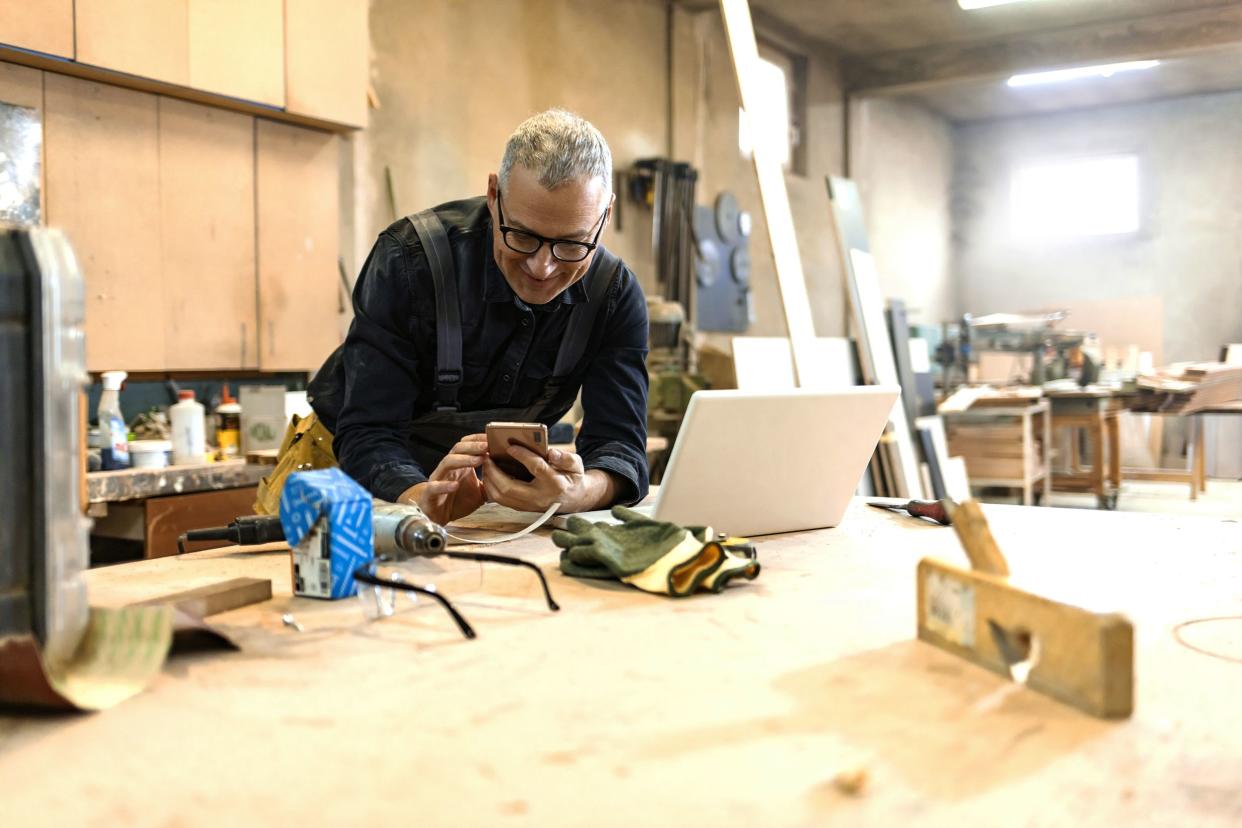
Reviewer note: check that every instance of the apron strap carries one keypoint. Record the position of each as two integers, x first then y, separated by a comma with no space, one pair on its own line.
439,255
582,319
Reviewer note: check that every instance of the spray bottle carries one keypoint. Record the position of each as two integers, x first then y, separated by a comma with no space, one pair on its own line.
115,453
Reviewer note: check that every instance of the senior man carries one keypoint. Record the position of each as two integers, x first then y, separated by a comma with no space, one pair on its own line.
533,309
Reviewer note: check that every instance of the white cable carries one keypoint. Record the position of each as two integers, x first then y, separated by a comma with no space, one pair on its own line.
539,521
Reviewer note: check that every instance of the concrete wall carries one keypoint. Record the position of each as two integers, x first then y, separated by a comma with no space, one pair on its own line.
1187,256
901,155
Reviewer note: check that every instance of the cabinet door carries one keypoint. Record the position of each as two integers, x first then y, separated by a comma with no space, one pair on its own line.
237,48
207,224
102,149
23,86
44,26
149,38
326,59
298,216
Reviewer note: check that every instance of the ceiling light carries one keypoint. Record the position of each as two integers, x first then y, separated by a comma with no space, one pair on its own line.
1104,70
972,5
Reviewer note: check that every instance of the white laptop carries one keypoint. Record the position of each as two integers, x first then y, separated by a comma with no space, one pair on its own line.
757,463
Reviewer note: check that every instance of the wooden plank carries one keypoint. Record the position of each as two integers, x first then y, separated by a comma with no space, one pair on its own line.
23,86
772,193
186,93
102,150
874,345
44,26
218,597
208,224
1082,658
237,48
327,45
168,517
149,38
298,214
1152,36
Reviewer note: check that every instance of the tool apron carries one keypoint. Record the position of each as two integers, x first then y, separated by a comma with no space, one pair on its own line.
308,442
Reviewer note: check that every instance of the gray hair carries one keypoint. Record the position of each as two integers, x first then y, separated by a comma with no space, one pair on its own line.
557,146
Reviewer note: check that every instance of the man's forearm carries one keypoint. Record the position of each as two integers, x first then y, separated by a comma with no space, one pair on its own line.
599,491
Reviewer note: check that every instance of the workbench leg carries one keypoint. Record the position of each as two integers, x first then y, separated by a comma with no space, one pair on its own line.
1192,455
1096,432
1047,458
1028,454
1200,452
1114,449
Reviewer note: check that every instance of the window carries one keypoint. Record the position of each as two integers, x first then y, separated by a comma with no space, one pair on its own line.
1075,198
782,76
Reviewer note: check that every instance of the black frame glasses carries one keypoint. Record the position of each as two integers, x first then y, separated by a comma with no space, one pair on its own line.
507,233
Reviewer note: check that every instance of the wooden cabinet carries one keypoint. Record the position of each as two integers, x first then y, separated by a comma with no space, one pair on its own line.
102,150
43,26
23,86
237,48
327,59
149,38
297,198
206,191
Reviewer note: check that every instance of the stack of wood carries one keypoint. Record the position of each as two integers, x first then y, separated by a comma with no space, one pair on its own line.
1186,387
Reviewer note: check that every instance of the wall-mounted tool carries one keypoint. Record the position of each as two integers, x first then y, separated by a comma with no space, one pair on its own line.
1079,657
723,300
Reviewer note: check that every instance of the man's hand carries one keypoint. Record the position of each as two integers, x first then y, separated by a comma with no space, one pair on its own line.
453,490
559,479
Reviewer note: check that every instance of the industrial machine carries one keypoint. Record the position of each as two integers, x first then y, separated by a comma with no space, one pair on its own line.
44,545
1055,353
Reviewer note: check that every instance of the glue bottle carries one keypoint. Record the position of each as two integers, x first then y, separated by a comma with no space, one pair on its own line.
188,429
115,451
228,425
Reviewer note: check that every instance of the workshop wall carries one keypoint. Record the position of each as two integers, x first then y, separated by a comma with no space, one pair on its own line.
901,155
453,79
706,132
1186,253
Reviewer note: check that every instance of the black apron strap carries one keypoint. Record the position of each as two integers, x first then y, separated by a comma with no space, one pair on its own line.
582,319
448,313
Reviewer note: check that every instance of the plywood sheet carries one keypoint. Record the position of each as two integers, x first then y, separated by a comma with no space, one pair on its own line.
44,26
149,38
237,48
23,86
298,210
763,363
102,150
327,59
206,193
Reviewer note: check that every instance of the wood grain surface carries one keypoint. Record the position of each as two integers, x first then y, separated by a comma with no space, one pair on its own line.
631,709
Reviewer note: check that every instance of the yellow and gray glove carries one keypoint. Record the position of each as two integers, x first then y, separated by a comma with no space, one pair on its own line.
652,555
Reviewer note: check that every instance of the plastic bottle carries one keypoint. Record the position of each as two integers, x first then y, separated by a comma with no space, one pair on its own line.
115,453
189,426
228,425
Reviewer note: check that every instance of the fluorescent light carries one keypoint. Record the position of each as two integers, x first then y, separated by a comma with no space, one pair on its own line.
972,5
1104,70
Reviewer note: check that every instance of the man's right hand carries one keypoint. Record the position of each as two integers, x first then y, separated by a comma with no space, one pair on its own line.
453,490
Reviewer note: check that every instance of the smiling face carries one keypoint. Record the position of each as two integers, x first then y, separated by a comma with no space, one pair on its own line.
572,211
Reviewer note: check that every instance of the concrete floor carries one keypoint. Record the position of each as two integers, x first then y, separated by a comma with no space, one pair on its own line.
1222,499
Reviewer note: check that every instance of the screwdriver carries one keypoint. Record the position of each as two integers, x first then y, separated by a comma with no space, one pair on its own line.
930,509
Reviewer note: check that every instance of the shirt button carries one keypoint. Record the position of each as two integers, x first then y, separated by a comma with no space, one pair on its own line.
506,378
525,323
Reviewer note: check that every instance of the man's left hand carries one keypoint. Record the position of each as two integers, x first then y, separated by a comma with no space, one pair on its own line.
558,479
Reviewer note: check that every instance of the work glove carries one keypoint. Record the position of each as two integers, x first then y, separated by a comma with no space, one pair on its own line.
652,555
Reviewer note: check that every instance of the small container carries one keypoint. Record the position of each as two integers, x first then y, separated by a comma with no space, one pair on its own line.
189,424
228,426
149,454
115,451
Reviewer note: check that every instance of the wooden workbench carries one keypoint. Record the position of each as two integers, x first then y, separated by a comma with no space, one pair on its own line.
629,709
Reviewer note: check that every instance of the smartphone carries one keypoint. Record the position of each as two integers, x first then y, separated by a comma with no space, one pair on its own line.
500,436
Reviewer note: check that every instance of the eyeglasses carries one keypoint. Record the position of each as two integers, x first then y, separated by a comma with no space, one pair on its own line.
528,243
367,574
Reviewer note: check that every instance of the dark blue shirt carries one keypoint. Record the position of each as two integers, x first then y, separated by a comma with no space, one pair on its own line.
385,376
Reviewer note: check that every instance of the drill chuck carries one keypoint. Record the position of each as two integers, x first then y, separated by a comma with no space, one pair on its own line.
402,531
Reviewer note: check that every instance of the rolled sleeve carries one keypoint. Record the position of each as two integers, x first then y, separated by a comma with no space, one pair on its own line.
381,364
614,396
